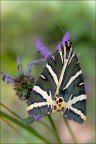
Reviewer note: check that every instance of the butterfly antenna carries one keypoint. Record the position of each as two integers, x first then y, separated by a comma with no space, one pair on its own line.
59,26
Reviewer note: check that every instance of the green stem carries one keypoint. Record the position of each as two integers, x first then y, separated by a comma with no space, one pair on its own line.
25,138
10,111
55,129
70,130
44,124
21,118
27,128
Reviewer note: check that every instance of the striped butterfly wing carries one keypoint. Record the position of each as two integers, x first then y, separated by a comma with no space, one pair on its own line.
60,87
72,88
42,96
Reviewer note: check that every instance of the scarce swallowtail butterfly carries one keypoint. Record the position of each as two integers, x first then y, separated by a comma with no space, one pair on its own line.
60,87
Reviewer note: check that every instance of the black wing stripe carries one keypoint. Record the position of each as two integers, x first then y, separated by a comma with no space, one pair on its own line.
72,79
71,115
78,112
44,95
56,62
44,109
71,58
75,100
81,105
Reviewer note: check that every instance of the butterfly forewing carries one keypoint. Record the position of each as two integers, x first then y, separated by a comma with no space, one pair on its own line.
73,91
42,96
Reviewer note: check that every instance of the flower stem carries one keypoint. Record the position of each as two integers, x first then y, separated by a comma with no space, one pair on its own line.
25,138
47,126
70,130
27,128
10,111
55,129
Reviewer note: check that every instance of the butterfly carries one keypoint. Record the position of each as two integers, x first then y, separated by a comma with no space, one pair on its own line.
60,87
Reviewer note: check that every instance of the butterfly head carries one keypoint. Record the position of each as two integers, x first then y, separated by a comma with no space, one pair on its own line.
68,44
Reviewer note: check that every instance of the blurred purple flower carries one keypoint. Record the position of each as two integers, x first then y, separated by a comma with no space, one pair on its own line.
19,66
42,49
58,46
22,83
78,55
36,117
65,38
29,66
86,87
7,78
10,79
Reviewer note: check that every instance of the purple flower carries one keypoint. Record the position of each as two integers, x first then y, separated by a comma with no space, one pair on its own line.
58,46
19,66
7,78
42,49
36,117
29,67
10,79
86,87
65,38
22,83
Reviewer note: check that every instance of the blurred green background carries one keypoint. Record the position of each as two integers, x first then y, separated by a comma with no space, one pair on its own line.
21,22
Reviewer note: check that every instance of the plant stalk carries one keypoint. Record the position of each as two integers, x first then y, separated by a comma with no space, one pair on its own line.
10,111
27,128
70,130
55,129
25,138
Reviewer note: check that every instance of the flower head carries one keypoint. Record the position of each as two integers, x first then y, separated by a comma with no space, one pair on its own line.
65,38
42,49
22,83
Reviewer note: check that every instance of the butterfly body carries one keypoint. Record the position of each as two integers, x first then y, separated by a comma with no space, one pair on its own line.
60,87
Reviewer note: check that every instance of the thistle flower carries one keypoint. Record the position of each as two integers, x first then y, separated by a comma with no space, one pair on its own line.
65,38
23,83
